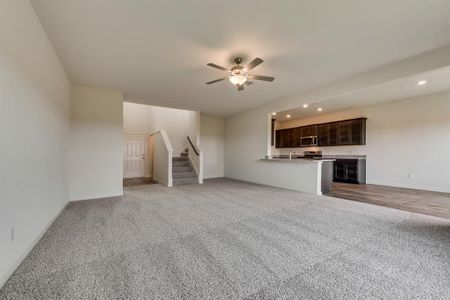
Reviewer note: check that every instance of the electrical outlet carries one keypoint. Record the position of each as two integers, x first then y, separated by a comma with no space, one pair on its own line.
11,234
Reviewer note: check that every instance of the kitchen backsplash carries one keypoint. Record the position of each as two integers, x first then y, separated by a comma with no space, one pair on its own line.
338,150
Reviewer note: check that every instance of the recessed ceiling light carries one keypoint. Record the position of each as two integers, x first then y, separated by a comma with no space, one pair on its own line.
288,116
305,105
274,114
319,109
422,82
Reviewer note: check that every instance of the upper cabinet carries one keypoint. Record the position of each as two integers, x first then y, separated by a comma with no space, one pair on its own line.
352,132
284,138
310,130
346,132
327,134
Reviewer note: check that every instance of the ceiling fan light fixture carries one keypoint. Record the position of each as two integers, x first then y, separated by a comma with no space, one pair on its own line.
238,79
239,75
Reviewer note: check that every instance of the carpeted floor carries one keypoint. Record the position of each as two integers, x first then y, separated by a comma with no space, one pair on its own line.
227,239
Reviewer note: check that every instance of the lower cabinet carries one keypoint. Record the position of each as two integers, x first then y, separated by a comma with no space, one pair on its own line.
350,171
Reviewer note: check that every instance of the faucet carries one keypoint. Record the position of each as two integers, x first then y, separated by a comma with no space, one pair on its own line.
290,155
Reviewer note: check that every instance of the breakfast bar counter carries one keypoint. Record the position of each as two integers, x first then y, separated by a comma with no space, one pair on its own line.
307,175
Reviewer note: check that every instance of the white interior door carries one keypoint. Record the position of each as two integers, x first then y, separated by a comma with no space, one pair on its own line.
133,156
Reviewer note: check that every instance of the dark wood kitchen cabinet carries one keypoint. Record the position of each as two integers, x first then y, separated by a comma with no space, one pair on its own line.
327,134
344,130
339,133
308,130
358,131
284,138
289,136
351,132
297,135
272,133
350,171
279,138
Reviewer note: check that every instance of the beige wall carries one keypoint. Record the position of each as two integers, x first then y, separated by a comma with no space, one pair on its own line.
96,157
212,133
408,142
34,118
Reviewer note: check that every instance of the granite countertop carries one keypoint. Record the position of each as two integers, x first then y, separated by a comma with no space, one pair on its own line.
346,156
326,157
297,159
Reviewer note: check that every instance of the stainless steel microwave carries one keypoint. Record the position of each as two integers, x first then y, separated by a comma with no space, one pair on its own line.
308,141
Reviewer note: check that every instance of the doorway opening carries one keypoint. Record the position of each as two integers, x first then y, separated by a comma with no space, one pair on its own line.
134,155
143,161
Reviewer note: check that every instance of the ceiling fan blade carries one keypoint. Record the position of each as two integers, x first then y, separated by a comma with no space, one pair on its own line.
260,77
240,87
217,67
254,63
217,80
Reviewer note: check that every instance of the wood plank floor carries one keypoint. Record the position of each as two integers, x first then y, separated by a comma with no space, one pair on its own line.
419,201
138,181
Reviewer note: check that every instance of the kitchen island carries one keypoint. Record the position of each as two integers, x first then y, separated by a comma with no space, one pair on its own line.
314,176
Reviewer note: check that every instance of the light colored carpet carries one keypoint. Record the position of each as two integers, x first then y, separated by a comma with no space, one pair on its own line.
228,239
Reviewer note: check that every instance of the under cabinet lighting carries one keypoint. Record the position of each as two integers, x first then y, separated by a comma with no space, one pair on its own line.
288,116
319,109
305,105
274,114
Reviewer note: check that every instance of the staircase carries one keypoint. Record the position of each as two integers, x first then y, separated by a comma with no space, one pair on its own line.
182,171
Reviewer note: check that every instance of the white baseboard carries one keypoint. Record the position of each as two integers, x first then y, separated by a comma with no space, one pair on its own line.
97,197
161,181
102,197
406,186
214,177
27,251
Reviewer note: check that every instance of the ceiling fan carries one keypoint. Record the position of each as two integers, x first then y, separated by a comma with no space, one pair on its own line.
239,75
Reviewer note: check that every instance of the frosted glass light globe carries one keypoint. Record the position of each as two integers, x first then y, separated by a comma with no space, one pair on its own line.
238,79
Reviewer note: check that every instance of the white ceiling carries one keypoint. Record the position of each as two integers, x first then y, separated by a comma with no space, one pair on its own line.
156,51
437,81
